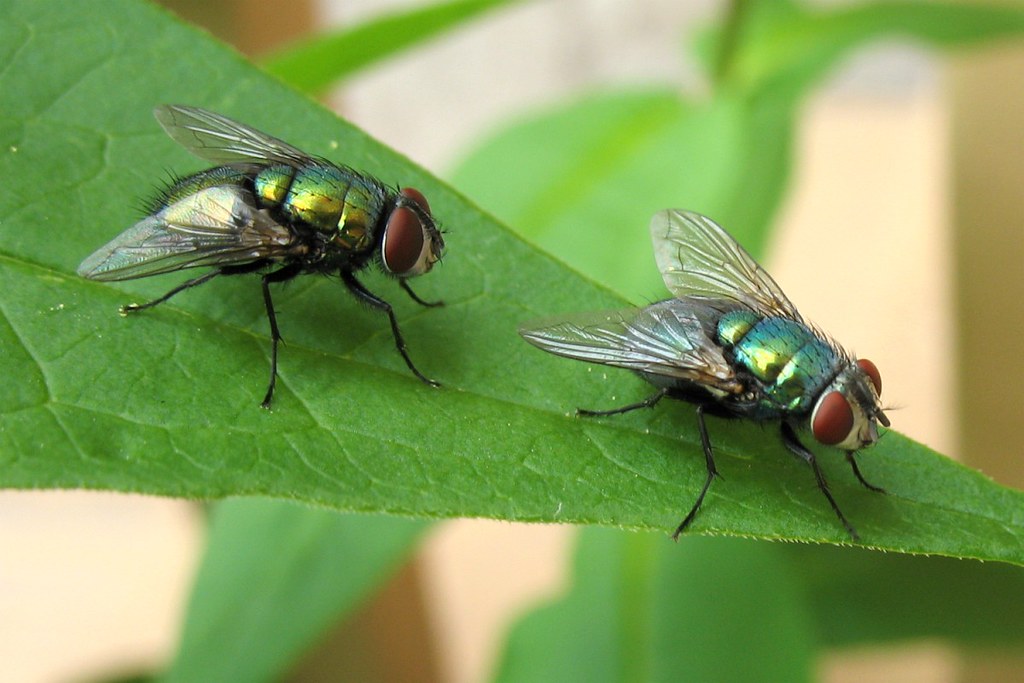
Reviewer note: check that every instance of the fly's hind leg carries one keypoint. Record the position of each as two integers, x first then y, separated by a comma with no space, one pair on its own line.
194,282
286,273
187,284
648,402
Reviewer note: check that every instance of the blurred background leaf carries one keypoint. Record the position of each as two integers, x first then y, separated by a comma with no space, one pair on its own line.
644,610
256,607
725,610
314,63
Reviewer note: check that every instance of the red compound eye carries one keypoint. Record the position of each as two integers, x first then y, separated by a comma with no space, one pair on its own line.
871,370
403,241
404,236
416,196
833,419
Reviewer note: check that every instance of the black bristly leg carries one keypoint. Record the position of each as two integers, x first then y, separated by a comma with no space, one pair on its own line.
195,282
281,275
790,440
187,284
404,284
651,401
856,470
286,273
709,461
371,299
705,442
648,402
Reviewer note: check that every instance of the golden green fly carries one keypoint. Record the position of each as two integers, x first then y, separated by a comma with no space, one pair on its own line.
270,208
731,343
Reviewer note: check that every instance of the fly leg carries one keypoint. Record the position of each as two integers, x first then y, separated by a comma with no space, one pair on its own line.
368,297
404,284
860,477
194,282
790,440
281,275
705,442
187,284
709,461
648,402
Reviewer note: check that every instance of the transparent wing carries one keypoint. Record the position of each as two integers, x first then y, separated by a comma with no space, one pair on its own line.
221,140
216,226
665,339
698,259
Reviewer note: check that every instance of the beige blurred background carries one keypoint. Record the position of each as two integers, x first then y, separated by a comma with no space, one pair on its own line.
915,160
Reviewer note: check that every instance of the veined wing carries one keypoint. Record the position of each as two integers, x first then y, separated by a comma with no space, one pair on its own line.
665,339
221,140
215,226
699,259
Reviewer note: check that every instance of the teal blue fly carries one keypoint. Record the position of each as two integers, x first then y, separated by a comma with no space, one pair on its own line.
731,343
271,208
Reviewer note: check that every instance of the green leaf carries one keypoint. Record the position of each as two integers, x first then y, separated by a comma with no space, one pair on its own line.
166,402
643,610
860,598
315,63
256,605
788,46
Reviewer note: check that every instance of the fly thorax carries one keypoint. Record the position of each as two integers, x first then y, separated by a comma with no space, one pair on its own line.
847,412
353,230
784,356
316,198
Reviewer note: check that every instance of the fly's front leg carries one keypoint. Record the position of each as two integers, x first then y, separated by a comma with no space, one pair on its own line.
790,440
404,284
368,297
286,273
860,477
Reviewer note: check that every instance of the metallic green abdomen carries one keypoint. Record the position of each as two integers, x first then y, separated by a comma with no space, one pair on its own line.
343,205
190,185
786,357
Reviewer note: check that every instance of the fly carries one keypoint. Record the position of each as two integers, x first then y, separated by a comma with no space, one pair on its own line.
732,344
268,207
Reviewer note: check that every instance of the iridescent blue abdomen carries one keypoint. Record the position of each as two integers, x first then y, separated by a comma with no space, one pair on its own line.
788,360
